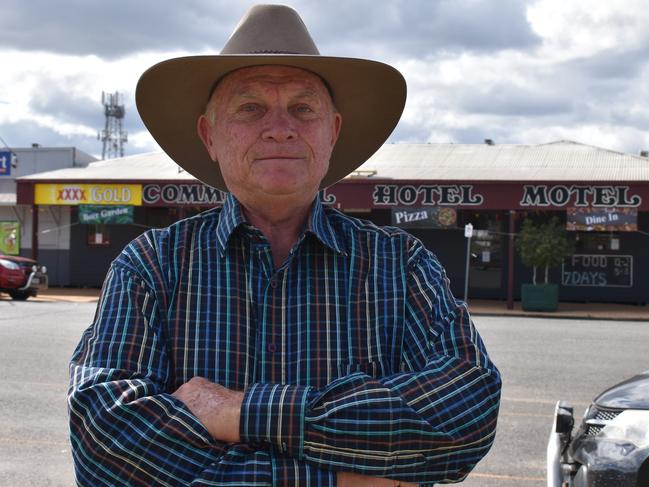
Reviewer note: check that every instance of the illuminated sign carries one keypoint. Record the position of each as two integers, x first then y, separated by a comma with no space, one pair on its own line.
88,194
5,163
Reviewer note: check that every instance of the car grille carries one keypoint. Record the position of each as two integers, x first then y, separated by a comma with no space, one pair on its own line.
601,416
26,267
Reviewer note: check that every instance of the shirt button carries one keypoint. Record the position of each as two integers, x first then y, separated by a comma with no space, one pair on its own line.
273,283
271,347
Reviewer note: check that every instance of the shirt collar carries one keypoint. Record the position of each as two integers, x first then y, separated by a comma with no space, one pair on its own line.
231,216
320,225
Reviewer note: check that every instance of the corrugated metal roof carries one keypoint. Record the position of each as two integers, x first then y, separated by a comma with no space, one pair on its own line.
556,161
149,166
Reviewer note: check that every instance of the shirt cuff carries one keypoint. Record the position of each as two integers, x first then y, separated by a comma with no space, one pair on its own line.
289,471
274,414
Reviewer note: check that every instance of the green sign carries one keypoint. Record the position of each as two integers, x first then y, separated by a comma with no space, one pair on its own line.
10,238
96,214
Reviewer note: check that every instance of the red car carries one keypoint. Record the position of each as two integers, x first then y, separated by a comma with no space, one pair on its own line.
21,277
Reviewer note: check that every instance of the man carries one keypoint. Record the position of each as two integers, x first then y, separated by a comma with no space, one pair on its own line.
275,341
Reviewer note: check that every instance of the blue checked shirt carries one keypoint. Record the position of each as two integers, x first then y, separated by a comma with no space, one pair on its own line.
353,356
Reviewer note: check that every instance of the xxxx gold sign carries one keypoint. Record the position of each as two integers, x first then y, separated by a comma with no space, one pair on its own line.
88,194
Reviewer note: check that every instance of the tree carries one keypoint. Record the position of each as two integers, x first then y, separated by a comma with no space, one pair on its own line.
544,245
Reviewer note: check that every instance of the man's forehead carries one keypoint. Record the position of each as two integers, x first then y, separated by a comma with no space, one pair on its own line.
248,80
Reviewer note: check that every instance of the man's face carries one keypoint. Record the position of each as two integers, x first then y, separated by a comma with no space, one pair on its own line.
272,130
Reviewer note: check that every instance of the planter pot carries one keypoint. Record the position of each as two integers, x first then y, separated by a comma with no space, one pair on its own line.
540,297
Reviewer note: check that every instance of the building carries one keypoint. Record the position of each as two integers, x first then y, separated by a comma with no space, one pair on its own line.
433,190
53,221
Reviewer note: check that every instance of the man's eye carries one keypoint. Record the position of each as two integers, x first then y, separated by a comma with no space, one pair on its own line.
303,109
249,107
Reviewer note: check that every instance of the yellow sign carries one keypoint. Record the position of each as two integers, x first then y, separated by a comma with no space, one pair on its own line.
88,194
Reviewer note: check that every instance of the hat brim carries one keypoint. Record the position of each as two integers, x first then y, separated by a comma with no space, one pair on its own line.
171,95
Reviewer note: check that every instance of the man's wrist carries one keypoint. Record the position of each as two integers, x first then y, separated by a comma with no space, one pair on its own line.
274,414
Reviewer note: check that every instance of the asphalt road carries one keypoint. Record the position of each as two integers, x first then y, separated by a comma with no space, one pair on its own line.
541,360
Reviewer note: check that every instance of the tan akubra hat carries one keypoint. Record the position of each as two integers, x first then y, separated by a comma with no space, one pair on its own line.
172,94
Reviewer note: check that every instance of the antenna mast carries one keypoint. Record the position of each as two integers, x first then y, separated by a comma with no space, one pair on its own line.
113,137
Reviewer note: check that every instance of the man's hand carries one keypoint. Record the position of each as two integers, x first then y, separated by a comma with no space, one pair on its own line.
348,479
218,408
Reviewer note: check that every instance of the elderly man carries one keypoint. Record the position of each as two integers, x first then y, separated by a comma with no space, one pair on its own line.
275,341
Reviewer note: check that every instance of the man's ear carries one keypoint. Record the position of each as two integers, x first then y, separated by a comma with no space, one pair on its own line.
337,124
204,130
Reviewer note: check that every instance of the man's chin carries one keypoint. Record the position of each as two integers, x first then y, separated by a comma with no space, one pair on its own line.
286,186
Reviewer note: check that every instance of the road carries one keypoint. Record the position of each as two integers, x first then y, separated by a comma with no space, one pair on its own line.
541,360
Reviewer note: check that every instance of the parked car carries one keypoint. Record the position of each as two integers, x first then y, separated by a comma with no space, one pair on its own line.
610,448
21,277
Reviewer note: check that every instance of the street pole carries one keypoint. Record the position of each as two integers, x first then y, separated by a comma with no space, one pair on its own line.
468,233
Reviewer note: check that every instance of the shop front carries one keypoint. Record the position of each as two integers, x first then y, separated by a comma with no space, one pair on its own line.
609,223
110,203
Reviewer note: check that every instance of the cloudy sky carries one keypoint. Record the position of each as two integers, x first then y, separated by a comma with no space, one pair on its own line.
515,71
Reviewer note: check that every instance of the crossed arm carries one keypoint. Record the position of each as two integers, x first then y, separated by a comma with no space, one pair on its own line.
434,422
219,409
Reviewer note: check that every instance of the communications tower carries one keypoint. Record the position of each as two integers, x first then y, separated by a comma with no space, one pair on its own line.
113,137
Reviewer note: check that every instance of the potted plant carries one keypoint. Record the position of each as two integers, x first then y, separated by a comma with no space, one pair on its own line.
542,245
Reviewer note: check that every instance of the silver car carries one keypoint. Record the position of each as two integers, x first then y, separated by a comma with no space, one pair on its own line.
610,448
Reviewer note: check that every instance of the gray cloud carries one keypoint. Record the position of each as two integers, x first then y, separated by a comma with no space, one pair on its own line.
423,28
24,134
508,99
116,28
401,27
607,89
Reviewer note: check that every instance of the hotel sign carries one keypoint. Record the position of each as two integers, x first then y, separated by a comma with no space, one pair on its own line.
426,194
603,196
364,195
173,194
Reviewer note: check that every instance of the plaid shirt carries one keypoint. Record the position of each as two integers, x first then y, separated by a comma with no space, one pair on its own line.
353,355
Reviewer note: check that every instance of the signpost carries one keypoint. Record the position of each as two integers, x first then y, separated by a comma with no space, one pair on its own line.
468,233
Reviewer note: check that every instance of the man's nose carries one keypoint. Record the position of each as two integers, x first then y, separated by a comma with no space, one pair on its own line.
279,125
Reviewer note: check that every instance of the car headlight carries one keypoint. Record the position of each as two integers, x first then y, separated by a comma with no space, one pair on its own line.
34,268
631,425
44,269
7,264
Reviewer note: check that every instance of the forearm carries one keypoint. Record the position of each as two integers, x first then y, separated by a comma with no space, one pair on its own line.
124,432
420,427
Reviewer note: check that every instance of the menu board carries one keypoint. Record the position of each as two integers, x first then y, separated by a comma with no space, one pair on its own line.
598,270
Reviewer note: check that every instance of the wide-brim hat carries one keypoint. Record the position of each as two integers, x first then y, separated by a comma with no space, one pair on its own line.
172,94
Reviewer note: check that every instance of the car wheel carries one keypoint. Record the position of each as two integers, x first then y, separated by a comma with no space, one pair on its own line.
19,295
